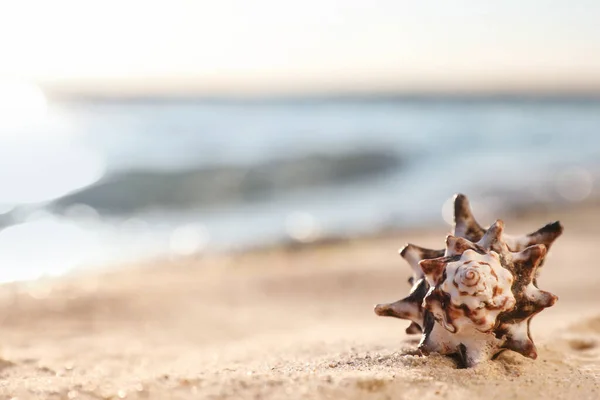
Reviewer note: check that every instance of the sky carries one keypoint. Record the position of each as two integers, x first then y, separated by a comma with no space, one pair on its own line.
310,46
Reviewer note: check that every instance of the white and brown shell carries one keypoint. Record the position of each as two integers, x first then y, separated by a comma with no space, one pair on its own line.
476,297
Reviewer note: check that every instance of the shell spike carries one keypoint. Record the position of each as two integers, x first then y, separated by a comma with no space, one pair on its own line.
546,235
457,245
413,328
525,347
492,240
527,261
474,354
465,224
407,308
540,298
403,309
519,340
413,254
433,269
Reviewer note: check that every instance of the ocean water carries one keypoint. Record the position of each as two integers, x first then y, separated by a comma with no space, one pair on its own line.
105,182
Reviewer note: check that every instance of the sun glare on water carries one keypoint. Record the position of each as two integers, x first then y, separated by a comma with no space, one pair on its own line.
41,160
22,105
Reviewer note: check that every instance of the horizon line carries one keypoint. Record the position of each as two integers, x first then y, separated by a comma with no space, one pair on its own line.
332,96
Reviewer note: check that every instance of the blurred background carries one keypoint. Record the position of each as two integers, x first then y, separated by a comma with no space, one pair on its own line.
135,129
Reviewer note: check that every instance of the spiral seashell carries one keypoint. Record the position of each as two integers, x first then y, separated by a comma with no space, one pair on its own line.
469,279
477,282
476,297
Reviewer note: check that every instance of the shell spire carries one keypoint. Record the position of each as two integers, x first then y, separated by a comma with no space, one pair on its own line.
476,297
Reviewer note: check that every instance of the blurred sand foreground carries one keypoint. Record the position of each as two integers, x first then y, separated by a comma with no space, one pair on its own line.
286,325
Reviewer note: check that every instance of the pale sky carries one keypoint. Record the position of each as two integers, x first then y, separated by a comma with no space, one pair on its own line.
276,46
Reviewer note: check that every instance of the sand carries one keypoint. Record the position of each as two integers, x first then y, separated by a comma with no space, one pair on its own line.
284,324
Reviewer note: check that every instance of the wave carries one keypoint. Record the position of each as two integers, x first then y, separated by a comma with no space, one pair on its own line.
133,191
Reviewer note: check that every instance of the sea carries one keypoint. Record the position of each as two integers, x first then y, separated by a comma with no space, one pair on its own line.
103,182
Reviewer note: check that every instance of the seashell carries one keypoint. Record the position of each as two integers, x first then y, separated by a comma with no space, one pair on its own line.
476,297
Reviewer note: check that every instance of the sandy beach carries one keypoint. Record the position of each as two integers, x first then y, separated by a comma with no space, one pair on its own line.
287,324
209,200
